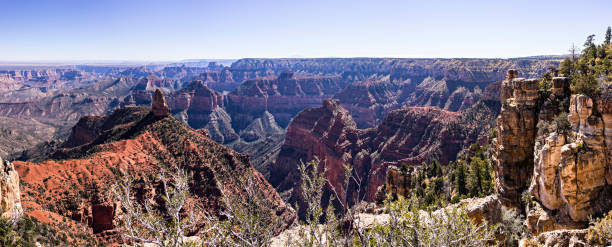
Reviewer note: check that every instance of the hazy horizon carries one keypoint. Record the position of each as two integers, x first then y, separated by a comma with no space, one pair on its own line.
162,31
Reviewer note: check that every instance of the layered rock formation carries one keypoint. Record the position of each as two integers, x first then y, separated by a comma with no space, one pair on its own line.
369,101
283,96
398,69
220,81
408,135
135,140
198,106
382,85
10,197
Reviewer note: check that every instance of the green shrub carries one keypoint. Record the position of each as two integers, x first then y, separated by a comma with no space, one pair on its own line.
512,226
561,123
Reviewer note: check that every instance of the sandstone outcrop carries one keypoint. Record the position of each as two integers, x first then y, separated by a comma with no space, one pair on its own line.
604,107
516,132
553,147
570,168
10,197
479,210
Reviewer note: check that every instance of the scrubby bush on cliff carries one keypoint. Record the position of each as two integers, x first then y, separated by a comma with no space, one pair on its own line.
246,221
512,226
601,231
311,232
545,85
445,227
147,222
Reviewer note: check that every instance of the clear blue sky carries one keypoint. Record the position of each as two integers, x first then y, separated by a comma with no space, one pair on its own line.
180,29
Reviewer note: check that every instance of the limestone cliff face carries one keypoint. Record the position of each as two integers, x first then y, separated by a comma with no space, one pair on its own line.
10,197
555,147
570,168
604,107
327,132
370,100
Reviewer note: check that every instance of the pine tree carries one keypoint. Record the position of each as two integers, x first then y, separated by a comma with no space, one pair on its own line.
437,168
608,36
460,179
589,41
487,179
474,182
567,67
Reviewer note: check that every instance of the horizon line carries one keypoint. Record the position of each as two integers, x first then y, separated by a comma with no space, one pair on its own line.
187,60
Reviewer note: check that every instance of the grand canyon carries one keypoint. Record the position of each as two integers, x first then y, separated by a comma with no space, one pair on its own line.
312,151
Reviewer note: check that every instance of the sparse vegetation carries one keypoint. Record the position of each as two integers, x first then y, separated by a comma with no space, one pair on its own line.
407,225
26,231
243,223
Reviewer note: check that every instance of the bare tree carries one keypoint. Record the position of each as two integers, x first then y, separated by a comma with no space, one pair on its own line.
573,51
247,221
147,222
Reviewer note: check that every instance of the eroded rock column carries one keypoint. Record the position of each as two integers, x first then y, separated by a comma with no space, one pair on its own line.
516,130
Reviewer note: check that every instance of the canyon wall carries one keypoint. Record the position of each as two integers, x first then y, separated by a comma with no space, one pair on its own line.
283,96
409,135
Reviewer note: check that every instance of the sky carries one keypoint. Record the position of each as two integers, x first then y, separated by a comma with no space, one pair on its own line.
156,30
